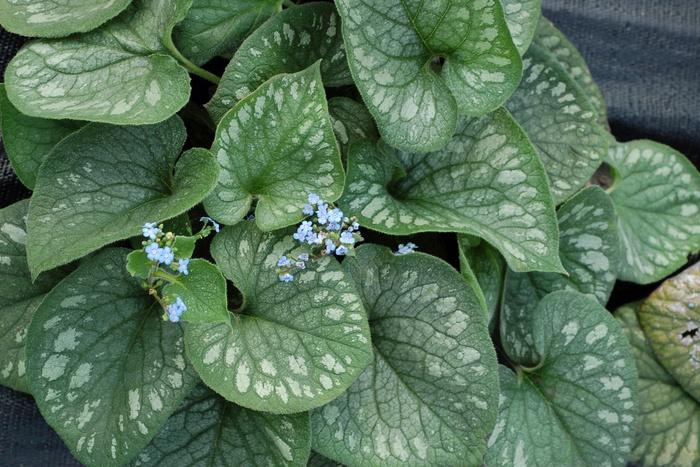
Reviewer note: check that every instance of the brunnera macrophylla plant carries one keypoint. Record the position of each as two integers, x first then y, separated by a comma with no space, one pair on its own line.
220,261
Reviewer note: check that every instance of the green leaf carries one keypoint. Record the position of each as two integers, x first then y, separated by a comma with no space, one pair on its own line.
522,17
208,430
589,251
555,42
138,264
670,318
106,371
393,46
28,140
204,292
487,182
19,296
561,122
429,396
656,192
351,122
184,246
102,183
289,42
668,431
484,268
120,73
317,460
276,146
578,405
55,18
214,27
292,346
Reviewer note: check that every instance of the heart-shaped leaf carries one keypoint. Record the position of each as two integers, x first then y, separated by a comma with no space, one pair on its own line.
560,120
101,184
55,18
289,42
120,73
292,346
106,371
203,289
351,122
668,431
208,430
488,181
656,192
484,268
577,406
28,140
215,27
589,250
276,146
394,51
19,296
555,42
670,318
522,17
429,396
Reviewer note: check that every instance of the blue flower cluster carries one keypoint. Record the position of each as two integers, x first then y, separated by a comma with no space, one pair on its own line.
176,309
159,249
326,231
406,249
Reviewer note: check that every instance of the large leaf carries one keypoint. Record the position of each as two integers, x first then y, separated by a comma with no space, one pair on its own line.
291,346
120,73
522,17
393,50
670,318
577,406
484,268
208,430
488,181
668,431
351,122
19,296
276,146
656,192
102,183
54,18
28,140
289,42
560,121
429,396
214,27
105,369
554,41
589,251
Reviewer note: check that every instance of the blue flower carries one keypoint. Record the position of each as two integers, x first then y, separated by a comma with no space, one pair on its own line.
286,277
334,226
150,230
165,255
303,232
308,209
347,238
314,198
152,251
405,249
304,256
322,213
300,264
214,224
341,250
335,216
182,265
283,261
175,310
355,226
330,246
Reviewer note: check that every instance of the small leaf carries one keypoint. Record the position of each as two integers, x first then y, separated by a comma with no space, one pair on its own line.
351,122
28,140
204,292
138,264
522,17
100,185
291,41
577,406
19,296
120,73
184,246
276,146
561,122
480,262
487,182
208,430
589,251
292,346
215,27
52,18
670,318
429,396
393,51
668,431
656,192
106,371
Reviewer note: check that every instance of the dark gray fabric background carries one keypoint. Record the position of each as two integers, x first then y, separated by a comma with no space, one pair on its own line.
644,54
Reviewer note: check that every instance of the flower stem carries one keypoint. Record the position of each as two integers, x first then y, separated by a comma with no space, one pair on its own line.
191,67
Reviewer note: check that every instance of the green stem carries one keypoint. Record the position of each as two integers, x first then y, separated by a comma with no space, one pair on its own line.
191,67
166,276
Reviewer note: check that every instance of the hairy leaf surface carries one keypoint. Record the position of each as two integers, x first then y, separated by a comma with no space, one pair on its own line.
429,396
522,17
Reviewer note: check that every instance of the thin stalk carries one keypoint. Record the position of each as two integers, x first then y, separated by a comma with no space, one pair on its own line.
191,67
